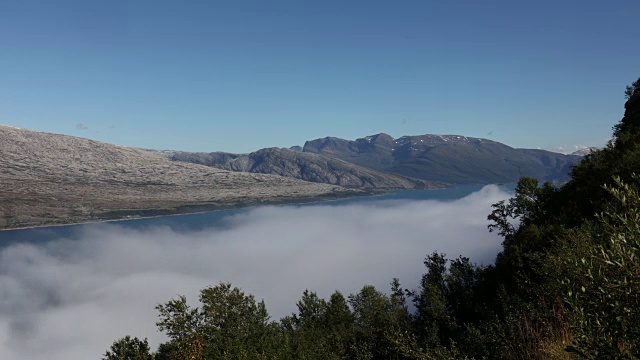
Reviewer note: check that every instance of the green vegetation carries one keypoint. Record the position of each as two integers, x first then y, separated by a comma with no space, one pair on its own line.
129,349
565,286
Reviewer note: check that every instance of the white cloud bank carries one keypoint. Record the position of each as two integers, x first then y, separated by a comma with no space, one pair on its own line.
70,298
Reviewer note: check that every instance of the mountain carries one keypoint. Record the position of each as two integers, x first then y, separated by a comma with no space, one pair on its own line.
305,166
372,151
380,161
584,152
446,158
49,178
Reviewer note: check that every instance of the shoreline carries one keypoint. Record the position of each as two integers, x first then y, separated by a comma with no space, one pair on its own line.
211,208
208,209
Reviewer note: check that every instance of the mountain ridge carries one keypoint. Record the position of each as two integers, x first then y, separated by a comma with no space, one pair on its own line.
381,161
446,158
304,166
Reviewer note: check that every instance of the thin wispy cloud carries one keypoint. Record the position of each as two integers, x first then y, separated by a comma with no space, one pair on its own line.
81,126
70,298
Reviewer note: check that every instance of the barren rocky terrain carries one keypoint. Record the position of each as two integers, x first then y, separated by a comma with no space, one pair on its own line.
48,179
304,166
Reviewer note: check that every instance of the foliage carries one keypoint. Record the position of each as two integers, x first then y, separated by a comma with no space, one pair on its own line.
527,206
631,89
229,325
129,348
583,196
607,302
627,129
375,314
321,329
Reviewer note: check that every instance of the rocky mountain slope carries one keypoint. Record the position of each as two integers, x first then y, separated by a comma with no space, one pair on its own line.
446,158
48,179
305,166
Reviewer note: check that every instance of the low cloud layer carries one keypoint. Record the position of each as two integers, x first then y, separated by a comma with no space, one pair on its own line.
70,298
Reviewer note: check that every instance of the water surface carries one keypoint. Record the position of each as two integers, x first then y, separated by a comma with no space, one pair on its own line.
194,222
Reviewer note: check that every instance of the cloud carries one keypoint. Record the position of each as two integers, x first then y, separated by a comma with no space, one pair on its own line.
81,126
566,149
563,149
69,298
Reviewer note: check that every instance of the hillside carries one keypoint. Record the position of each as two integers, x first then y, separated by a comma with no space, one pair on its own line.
50,179
305,166
446,158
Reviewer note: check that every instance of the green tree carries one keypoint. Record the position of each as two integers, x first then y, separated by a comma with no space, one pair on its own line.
306,331
340,322
321,329
631,89
527,206
376,315
311,311
448,308
185,327
607,302
584,196
630,123
229,325
128,348
433,316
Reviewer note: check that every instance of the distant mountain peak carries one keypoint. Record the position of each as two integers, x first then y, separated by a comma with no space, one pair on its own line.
306,166
585,151
380,136
447,158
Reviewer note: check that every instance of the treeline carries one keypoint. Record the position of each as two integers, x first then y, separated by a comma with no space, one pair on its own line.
566,285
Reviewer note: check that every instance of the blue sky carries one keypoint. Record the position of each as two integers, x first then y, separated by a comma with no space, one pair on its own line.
242,75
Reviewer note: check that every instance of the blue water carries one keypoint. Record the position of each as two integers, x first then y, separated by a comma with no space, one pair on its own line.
193,222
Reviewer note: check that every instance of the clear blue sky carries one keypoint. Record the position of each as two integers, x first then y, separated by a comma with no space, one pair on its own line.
241,75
